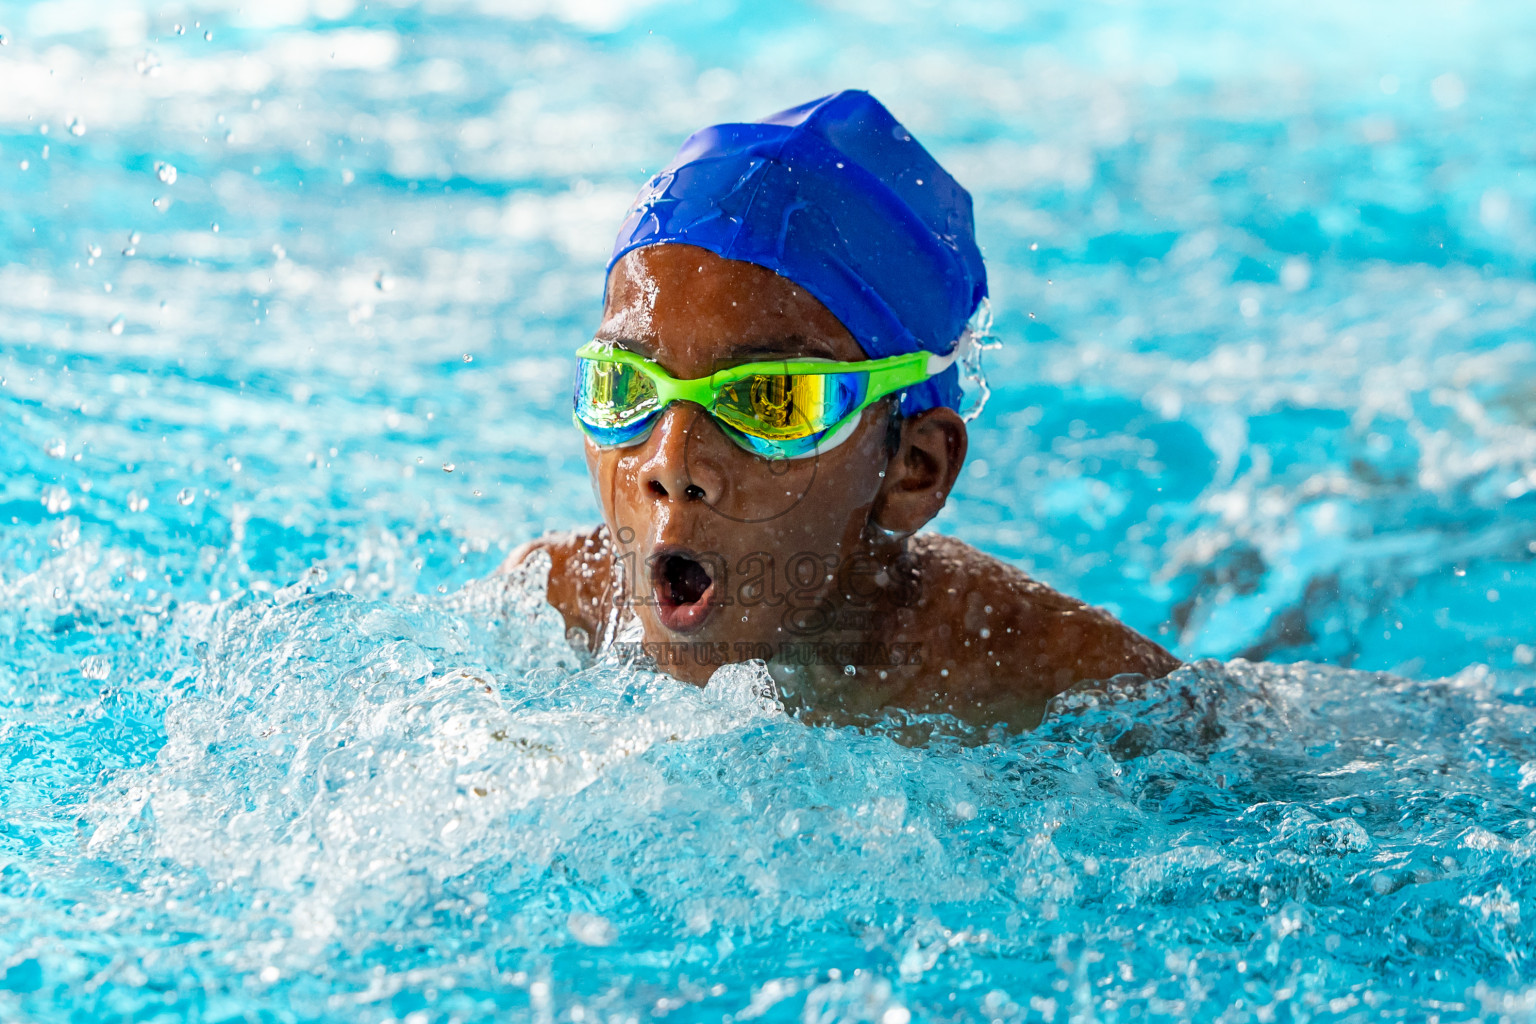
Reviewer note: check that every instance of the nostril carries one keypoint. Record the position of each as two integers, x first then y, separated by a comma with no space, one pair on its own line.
694,492
657,489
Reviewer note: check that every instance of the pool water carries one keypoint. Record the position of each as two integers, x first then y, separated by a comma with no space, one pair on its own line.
287,300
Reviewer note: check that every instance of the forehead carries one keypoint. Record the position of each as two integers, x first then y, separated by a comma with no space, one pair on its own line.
694,312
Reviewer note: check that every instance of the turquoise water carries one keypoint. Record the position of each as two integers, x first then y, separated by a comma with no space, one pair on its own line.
272,749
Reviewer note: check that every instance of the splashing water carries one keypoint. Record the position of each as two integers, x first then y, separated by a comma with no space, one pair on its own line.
1262,272
363,810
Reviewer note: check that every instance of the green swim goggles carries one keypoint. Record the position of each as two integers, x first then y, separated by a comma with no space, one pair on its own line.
779,409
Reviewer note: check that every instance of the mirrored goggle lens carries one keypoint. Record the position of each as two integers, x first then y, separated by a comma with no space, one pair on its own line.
789,448
619,437
612,396
789,407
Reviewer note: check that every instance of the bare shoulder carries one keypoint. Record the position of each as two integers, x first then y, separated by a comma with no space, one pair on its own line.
581,577
1006,626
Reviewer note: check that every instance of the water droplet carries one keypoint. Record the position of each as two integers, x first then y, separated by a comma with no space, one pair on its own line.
94,250
185,496
347,177
137,503
55,448
181,30
591,929
4,40
448,467
116,326
25,164
468,358
215,227
76,126
129,251
166,172
58,593
849,670
208,36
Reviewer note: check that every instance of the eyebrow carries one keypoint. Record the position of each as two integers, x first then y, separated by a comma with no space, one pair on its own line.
791,346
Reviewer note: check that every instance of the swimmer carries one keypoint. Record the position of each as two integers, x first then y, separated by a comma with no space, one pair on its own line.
770,415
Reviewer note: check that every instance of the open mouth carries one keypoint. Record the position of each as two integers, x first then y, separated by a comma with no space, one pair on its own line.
682,585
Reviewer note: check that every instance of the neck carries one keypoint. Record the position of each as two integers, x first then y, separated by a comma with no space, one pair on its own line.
868,605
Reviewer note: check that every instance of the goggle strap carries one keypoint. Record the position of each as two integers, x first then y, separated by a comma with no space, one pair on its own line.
937,364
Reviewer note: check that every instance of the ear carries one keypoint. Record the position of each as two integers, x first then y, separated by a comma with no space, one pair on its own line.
919,477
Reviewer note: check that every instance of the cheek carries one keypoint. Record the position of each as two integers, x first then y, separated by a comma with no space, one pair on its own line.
851,472
846,481
603,469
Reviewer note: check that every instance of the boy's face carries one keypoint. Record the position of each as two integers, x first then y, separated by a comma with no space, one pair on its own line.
719,545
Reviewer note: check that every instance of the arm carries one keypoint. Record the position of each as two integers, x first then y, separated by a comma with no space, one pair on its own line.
580,577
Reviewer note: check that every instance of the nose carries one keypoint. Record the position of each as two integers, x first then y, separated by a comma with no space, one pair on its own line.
681,463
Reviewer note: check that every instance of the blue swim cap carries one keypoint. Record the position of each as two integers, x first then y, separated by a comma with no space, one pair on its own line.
836,196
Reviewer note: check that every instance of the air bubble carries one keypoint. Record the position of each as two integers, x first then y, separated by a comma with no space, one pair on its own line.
166,172
55,448
849,670
137,503
185,496
117,325
208,36
76,126
468,358
448,467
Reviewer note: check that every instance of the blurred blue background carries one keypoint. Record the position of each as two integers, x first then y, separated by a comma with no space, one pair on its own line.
1263,274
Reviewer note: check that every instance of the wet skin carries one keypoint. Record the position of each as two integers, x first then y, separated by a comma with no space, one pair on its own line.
724,555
